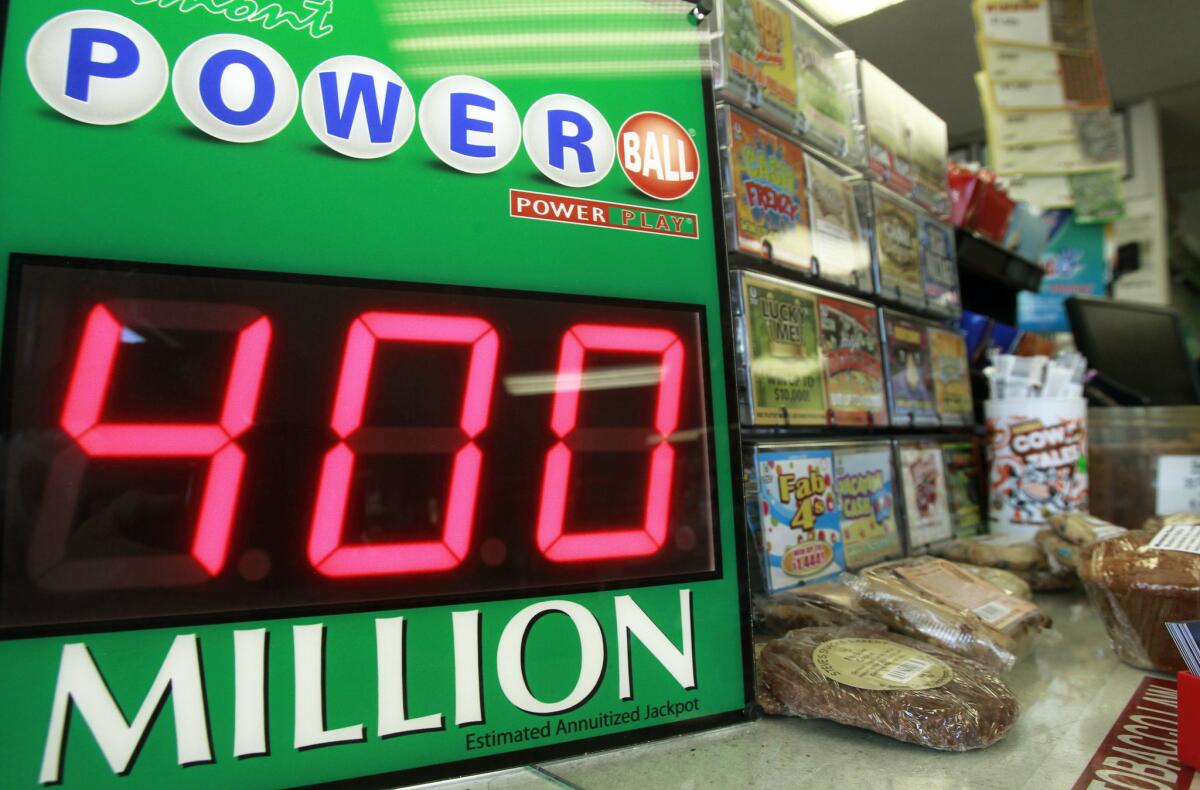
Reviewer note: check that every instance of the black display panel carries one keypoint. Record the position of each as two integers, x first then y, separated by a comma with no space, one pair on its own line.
184,441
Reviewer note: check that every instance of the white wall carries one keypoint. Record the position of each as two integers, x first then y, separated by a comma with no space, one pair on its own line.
1145,219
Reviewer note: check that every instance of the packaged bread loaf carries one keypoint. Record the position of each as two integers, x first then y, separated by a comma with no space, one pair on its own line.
864,676
1156,523
936,601
826,604
1140,581
1008,581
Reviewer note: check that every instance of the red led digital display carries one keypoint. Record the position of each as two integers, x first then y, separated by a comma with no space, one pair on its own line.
185,441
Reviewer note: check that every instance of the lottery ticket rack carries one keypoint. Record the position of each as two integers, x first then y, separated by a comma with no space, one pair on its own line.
854,392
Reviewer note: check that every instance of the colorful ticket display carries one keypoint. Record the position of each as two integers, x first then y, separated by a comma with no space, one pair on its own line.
909,371
964,476
765,207
773,60
782,361
939,267
898,248
886,105
853,361
839,245
930,148
866,494
922,476
799,522
951,376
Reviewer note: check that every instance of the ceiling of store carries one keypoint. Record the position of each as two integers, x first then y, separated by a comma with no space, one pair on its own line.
1150,48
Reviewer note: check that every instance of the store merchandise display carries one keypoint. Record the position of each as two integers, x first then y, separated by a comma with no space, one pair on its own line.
1138,582
806,356
921,473
932,599
864,676
820,508
773,59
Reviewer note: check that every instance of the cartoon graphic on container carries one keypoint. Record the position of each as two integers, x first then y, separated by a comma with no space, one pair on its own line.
1038,464
926,509
865,493
799,518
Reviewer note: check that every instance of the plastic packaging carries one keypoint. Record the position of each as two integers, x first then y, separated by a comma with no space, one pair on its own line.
819,605
1082,529
1138,588
932,599
1010,552
971,708
1008,581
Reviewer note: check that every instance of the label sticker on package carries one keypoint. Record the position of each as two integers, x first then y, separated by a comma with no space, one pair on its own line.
853,364
864,486
1177,484
768,185
955,587
1178,537
880,665
787,377
799,517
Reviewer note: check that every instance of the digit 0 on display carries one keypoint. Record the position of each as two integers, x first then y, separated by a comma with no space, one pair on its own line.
321,461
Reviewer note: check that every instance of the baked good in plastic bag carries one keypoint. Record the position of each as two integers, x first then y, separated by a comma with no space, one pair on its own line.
1011,552
1137,588
1061,554
932,599
1008,581
1080,529
864,676
826,604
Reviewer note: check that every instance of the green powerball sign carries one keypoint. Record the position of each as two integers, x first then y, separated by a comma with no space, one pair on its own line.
363,386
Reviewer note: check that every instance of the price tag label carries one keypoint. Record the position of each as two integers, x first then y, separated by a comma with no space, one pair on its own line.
1178,484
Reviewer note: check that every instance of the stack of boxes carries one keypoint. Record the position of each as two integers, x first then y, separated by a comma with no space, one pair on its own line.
854,389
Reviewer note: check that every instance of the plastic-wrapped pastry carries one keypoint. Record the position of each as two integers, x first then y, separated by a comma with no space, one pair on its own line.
864,676
1062,555
934,600
1137,588
1080,529
826,604
1011,552
1008,581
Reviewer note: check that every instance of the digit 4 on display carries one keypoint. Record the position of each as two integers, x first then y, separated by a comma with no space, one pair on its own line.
322,463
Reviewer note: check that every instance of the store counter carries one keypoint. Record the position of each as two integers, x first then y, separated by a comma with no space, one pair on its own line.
1071,690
